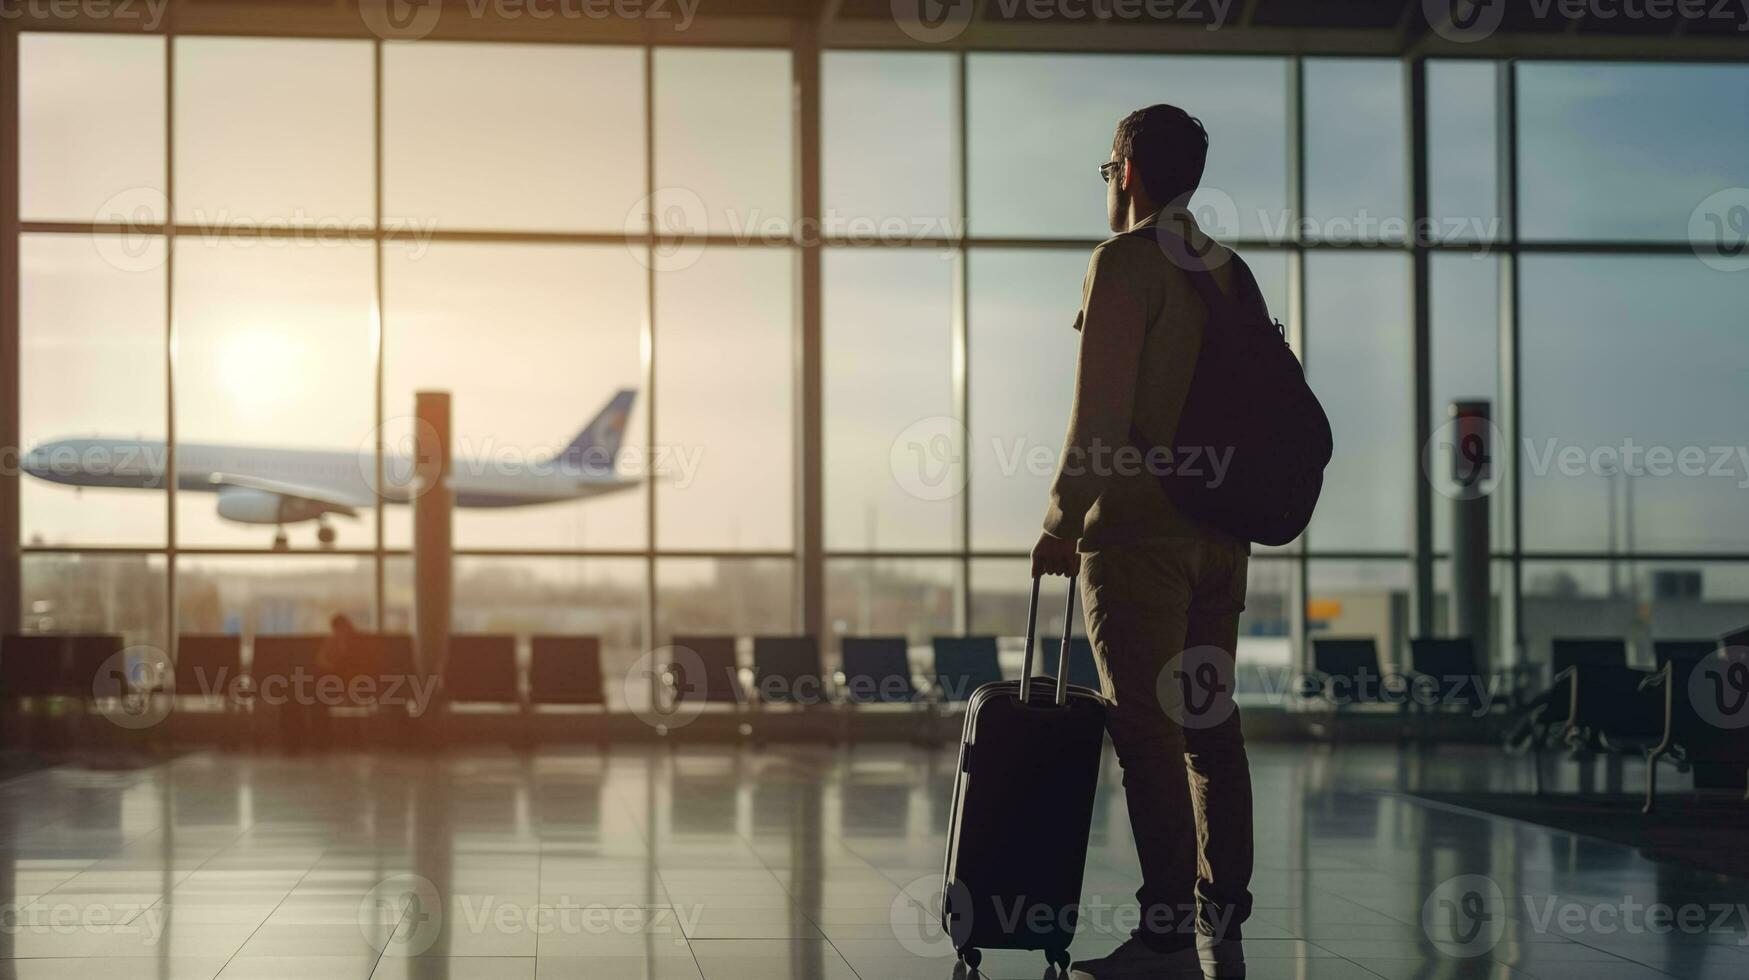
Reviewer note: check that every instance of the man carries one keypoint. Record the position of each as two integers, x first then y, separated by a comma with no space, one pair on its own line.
1156,583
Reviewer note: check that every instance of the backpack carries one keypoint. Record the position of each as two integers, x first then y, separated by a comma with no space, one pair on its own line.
1248,397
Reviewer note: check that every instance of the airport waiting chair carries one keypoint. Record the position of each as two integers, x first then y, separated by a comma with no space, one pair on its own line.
32,665
705,671
565,670
1703,734
1448,674
481,669
1346,674
1569,651
962,665
876,670
1683,655
209,668
1083,672
88,653
788,670
277,665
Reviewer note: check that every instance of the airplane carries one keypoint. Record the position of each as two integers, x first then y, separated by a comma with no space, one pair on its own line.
257,485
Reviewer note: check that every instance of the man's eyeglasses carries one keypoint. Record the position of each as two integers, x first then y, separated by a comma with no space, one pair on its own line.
1109,169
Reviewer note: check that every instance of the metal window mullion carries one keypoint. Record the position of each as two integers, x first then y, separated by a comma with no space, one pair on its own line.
1506,124
961,341
378,560
1299,589
170,529
1421,365
649,346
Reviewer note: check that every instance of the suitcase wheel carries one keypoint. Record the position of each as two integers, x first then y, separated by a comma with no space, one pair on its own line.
1058,958
971,957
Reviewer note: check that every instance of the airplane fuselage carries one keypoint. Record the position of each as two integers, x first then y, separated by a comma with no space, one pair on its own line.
347,477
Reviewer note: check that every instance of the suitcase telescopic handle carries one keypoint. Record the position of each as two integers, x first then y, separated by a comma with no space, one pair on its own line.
1062,651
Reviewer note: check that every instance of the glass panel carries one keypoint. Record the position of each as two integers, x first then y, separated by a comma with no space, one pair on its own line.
268,595
562,123
1465,301
739,596
1462,145
532,342
887,143
90,127
891,480
724,374
1639,602
1361,599
1356,150
724,159
1265,655
96,594
892,597
1500,633
1661,130
275,387
1633,405
1023,349
91,389
276,131
1040,125
1358,329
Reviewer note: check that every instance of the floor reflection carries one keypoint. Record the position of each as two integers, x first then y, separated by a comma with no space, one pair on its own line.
717,863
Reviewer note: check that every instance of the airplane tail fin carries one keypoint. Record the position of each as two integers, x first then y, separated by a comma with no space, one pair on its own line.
596,447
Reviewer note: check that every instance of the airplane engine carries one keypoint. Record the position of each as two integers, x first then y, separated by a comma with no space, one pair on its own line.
249,506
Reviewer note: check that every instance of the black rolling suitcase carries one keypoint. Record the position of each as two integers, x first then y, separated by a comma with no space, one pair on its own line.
1023,805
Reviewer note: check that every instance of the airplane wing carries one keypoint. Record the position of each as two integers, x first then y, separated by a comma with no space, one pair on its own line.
311,500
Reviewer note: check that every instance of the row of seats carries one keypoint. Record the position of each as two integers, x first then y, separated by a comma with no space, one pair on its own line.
483,668
1597,704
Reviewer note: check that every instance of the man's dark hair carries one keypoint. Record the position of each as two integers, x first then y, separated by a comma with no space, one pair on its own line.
1169,147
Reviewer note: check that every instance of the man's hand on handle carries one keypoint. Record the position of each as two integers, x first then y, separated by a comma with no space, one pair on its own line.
1055,556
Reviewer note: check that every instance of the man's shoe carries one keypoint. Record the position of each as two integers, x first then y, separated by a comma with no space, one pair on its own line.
1136,960
1222,959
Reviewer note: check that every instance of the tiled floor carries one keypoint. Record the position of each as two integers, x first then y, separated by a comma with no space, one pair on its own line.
708,864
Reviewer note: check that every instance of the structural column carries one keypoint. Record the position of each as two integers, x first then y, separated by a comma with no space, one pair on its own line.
432,508
10,572
810,457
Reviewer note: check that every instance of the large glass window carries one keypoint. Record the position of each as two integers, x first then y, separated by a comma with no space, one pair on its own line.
894,451
1356,164
91,388
724,379
274,132
1358,329
1040,125
531,342
1628,151
1634,399
724,143
275,382
526,137
888,144
91,112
